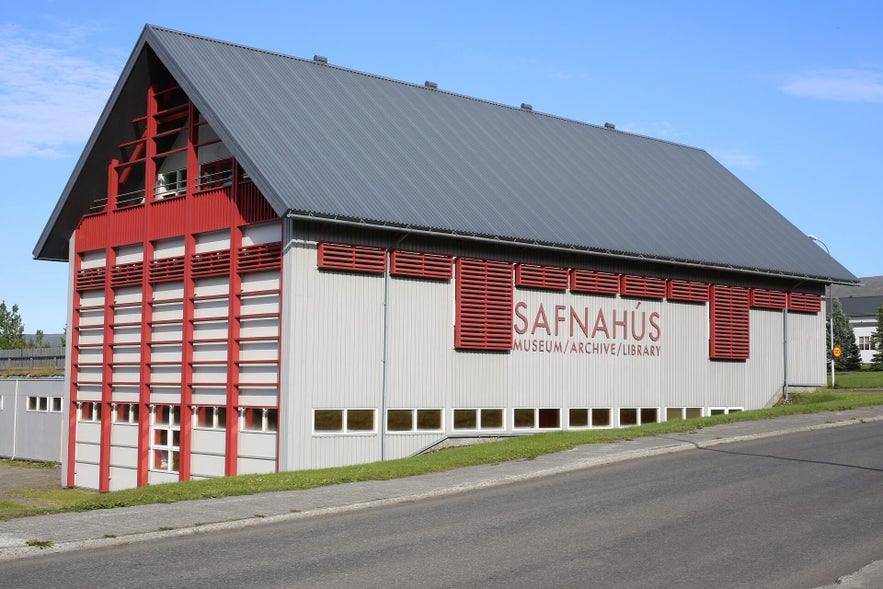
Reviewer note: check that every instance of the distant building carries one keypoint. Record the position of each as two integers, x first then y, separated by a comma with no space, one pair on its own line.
281,264
861,303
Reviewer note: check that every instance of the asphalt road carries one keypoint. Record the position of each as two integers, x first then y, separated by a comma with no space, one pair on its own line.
793,511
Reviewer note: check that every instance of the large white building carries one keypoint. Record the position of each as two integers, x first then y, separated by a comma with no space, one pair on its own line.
280,264
861,303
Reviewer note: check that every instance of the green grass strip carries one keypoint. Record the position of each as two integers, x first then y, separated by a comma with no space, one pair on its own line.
516,448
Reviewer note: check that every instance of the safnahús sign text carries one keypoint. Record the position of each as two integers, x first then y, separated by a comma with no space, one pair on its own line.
566,329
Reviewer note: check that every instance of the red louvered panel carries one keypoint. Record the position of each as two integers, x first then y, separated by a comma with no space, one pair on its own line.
421,265
730,323
210,210
484,305
762,298
90,278
252,205
167,218
92,233
262,256
594,281
548,277
210,264
642,286
127,274
804,302
167,269
687,290
353,258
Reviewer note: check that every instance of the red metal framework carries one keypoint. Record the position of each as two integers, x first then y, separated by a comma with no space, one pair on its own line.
484,304
352,258
730,323
687,290
544,277
762,298
594,281
137,214
421,265
646,287
804,302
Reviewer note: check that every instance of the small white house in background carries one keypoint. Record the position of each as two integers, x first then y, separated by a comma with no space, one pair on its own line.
32,418
281,264
861,304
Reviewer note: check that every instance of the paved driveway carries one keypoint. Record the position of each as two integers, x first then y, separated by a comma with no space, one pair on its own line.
16,478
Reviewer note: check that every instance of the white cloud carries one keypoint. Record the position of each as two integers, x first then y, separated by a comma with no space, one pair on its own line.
843,85
50,96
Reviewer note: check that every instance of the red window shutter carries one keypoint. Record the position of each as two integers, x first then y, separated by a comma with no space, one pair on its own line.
484,304
352,258
594,281
91,278
421,265
210,264
167,269
645,287
804,302
127,274
262,256
730,323
762,298
687,290
548,277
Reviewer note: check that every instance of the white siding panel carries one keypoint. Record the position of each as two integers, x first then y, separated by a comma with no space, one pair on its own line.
86,475
207,465
126,374
91,336
264,233
165,353
127,295
168,290
165,374
258,281
89,374
88,453
209,441
93,259
257,445
209,395
210,373
91,317
125,394
258,396
129,254
247,465
807,349
123,478
168,248
155,477
214,286
258,350
88,392
211,308
165,396
211,242
125,353
123,455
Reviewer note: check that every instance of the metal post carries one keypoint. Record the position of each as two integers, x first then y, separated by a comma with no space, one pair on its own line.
830,312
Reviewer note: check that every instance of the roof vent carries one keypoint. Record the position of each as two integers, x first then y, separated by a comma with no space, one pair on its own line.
526,106
432,85
610,126
320,59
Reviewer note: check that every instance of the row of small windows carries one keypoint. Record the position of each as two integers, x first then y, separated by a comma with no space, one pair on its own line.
258,419
326,421
45,404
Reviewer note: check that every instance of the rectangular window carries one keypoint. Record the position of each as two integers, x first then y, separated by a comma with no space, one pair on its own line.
484,305
125,413
864,342
723,410
56,404
171,184
421,265
601,418
536,419
594,281
729,317
762,298
33,403
545,277
481,419
804,302
165,439
646,287
352,258
89,411
403,420
578,418
257,419
649,415
687,290
211,417
678,413
628,416
344,420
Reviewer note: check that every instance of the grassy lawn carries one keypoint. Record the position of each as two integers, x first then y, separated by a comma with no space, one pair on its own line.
518,448
861,379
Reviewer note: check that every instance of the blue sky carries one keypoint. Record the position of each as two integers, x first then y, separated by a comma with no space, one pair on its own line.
787,95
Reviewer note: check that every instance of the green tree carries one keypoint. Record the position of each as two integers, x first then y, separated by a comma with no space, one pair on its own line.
844,336
12,329
877,342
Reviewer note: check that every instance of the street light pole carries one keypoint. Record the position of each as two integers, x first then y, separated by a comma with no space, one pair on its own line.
830,311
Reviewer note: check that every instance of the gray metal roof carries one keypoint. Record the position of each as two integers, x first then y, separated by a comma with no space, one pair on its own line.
332,142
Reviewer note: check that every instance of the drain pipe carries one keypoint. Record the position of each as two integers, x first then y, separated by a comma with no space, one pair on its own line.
385,386
14,417
785,350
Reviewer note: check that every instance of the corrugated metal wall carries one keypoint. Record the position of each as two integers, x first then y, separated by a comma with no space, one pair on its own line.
32,430
572,351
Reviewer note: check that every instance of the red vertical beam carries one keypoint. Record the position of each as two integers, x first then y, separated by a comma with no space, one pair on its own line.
233,330
113,185
74,376
144,379
150,145
106,375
